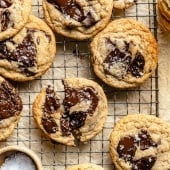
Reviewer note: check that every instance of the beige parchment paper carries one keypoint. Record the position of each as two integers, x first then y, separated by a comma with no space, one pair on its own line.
73,60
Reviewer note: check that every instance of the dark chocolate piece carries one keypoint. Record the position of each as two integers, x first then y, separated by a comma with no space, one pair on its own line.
5,3
69,8
127,147
145,163
73,10
10,102
51,105
75,120
52,102
137,66
49,124
145,140
4,18
24,54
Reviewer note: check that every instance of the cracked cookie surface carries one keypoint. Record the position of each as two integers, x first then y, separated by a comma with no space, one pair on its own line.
14,15
140,141
124,54
29,53
10,108
78,19
80,115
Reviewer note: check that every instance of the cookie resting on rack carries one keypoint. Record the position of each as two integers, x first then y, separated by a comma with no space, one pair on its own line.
140,142
87,166
10,108
122,4
77,19
29,53
124,54
14,15
79,116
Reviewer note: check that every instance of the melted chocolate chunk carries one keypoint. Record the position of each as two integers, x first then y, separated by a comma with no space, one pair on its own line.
50,106
5,3
145,163
24,54
10,102
73,10
4,17
49,124
137,66
127,147
51,102
117,56
65,125
75,120
145,140
69,8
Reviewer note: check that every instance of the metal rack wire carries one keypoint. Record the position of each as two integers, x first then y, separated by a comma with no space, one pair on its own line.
73,59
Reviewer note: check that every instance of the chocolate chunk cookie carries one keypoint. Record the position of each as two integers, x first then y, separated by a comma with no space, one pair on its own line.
140,142
10,108
85,167
124,54
13,16
78,19
80,115
29,53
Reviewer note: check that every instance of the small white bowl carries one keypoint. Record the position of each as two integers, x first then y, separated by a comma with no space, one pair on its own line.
9,150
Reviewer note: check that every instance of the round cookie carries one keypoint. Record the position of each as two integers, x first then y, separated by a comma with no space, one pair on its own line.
124,54
10,108
77,19
29,53
140,142
13,16
85,167
122,4
80,115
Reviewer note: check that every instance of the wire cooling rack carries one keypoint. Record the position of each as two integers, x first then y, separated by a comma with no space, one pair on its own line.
73,59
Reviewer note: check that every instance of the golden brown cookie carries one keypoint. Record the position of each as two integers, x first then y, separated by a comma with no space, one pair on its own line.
13,16
80,115
164,8
122,4
124,54
78,19
29,53
140,142
87,166
10,108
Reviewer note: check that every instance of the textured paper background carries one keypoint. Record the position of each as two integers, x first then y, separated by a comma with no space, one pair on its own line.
73,60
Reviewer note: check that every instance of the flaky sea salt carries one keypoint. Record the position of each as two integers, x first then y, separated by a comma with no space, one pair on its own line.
18,161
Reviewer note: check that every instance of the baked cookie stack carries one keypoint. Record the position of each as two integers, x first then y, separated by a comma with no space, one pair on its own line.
164,14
